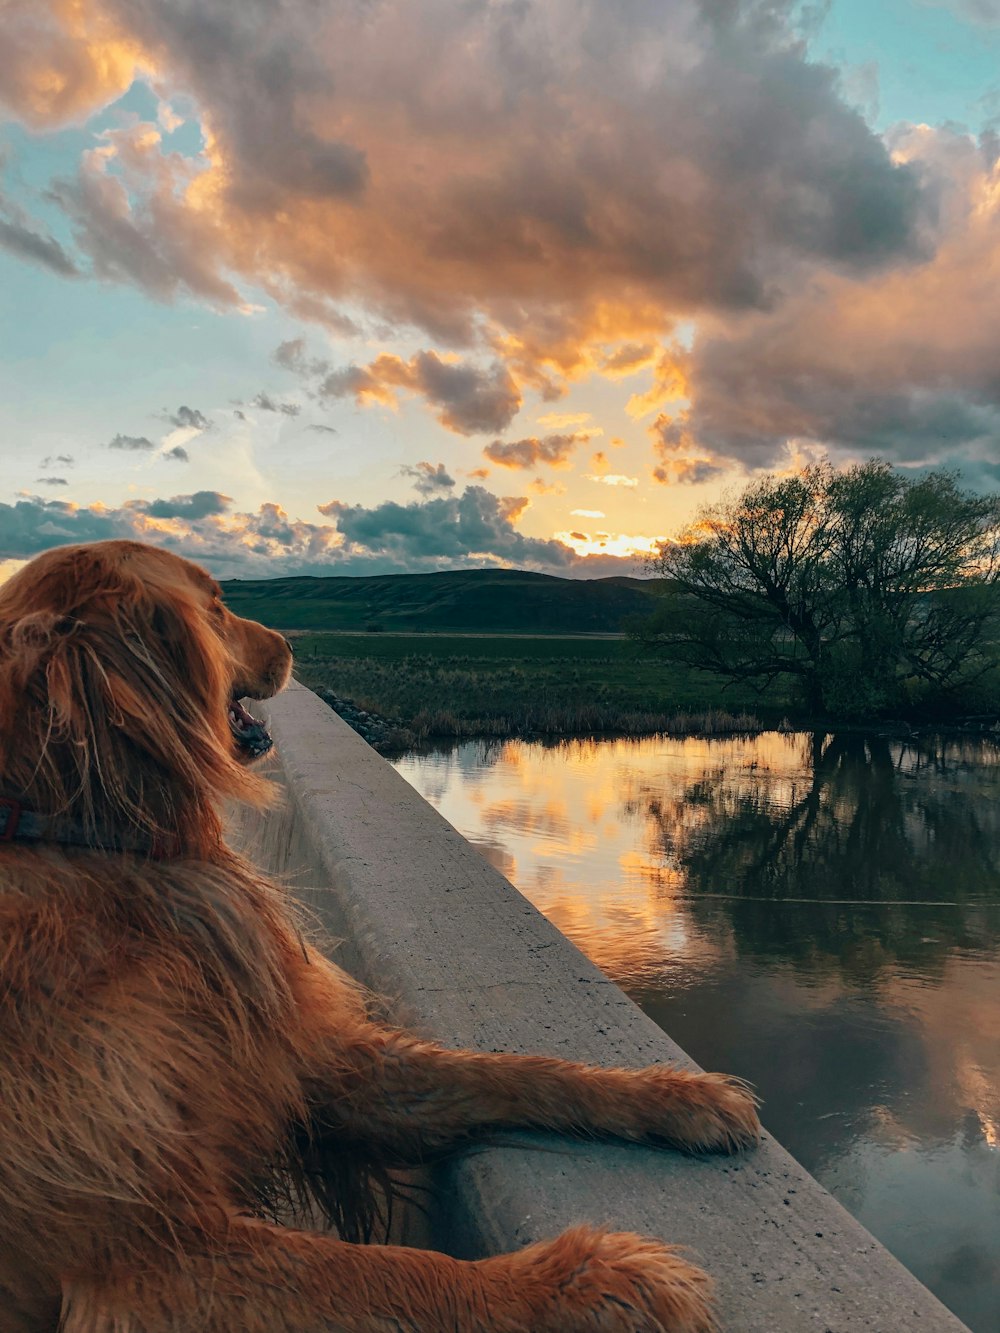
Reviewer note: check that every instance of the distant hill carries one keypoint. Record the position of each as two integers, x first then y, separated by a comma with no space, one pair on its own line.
501,601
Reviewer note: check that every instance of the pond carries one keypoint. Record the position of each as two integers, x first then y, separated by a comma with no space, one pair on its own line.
818,913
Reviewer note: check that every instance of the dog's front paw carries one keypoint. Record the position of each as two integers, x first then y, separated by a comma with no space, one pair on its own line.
611,1282
700,1112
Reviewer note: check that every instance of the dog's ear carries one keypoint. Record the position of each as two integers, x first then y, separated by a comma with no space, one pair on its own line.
118,699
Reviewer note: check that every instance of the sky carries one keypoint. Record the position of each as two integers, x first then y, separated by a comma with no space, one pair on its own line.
364,286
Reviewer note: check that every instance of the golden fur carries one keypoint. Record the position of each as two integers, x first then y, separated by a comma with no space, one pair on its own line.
171,1054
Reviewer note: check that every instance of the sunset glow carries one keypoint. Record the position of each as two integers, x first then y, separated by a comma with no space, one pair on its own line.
407,287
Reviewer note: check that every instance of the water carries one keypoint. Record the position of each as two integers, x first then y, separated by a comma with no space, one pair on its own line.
820,914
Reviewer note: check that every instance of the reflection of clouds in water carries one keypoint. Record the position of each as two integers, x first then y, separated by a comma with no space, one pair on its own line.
547,817
714,879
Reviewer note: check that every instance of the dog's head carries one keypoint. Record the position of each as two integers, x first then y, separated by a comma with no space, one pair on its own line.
121,673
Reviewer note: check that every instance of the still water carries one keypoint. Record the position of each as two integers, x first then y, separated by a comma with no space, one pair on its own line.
820,914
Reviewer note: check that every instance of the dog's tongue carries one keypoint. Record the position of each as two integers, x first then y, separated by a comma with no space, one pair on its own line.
249,734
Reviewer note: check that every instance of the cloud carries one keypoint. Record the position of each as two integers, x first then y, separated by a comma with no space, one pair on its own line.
67,460
51,481
189,418
557,182
476,525
588,513
549,191
322,429
197,526
134,223
178,453
133,442
63,61
167,118
682,461
555,450
291,355
198,505
428,479
471,399
475,529
613,479
23,241
629,359
902,365
266,403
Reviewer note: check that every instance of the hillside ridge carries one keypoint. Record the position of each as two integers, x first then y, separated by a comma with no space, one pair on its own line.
473,600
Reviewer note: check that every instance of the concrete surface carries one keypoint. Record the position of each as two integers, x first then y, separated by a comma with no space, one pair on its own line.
464,958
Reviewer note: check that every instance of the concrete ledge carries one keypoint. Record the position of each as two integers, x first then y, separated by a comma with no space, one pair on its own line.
467,960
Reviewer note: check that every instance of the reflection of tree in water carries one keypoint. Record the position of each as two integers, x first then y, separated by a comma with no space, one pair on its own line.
892,824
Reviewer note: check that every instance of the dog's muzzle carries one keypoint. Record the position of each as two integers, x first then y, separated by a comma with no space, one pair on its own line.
253,739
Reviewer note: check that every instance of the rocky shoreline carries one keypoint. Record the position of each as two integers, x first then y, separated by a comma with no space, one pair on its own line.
381,733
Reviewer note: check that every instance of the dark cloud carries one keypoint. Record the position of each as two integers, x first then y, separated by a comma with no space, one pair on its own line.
475,524
51,481
32,525
199,505
67,460
323,430
24,242
683,461
266,403
133,442
470,399
531,452
189,418
428,479
291,355
178,453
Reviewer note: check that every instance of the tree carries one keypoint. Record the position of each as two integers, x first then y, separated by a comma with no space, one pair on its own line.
866,589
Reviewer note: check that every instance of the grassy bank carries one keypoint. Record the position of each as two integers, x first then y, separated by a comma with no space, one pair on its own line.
453,686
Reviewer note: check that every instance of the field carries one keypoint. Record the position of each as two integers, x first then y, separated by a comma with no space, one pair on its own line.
500,653
502,685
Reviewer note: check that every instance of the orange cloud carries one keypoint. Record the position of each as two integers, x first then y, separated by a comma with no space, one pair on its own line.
471,399
555,450
670,384
64,59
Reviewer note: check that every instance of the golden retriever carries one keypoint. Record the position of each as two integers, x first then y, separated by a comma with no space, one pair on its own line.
172,1054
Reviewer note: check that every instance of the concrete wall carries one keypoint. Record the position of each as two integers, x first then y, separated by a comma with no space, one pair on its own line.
464,958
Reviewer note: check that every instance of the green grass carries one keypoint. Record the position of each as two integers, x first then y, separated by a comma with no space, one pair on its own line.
448,685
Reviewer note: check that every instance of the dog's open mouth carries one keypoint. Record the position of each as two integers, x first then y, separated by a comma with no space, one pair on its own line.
248,733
